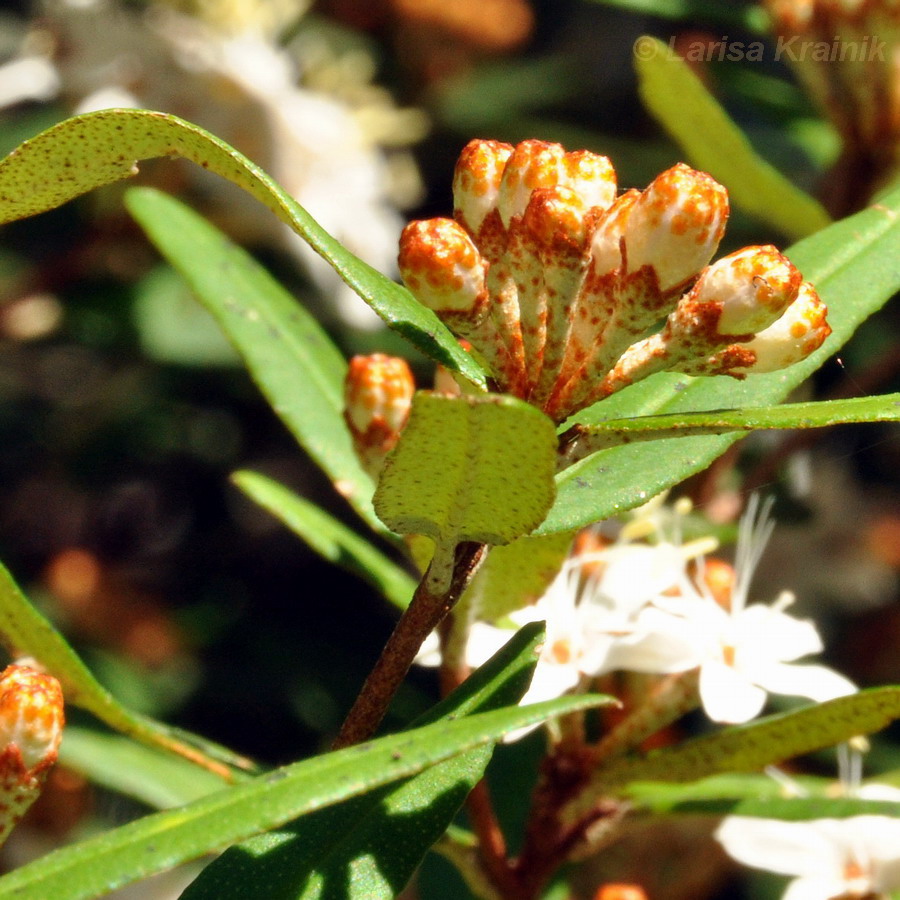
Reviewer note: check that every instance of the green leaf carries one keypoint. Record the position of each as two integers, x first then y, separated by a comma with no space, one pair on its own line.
680,102
98,148
468,469
754,795
291,358
368,847
750,747
855,267
749,18
143,773
588,439
25,632
329,538
516,575
162,840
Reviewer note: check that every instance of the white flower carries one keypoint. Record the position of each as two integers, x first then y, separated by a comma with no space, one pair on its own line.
829,858
743,652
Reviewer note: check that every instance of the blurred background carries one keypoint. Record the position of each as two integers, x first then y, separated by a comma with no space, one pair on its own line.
123,410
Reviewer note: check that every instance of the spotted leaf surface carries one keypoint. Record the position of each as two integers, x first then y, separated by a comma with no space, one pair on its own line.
469,469
98,148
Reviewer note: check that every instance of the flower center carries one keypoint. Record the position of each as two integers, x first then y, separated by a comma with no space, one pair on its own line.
561,651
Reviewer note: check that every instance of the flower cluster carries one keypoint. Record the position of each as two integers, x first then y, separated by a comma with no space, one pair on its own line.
31,721
662,608
556,281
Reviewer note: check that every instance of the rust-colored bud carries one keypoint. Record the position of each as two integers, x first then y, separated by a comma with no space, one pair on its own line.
675,225
378,393
31,723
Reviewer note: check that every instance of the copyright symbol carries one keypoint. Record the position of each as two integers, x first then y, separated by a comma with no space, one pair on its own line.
645,47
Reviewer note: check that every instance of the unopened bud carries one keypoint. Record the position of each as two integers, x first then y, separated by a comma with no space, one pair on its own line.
476,181
591,176
378,393
675,225
444,271
800,331
31,723
620,892
533,165
750,289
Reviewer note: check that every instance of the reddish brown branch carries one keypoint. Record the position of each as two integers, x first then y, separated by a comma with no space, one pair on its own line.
421,617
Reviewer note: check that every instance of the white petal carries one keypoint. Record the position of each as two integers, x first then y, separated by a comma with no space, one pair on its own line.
815,887
656,653
788,848
779,635
727,695
484,641
634,574
819,683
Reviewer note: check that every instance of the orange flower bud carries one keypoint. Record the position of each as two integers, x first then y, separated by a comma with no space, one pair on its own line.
378,393
675,225
443,269
476,181
620,892
533,165
31,723
798,333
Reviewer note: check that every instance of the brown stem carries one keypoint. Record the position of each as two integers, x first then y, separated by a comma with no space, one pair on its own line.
674,696
419,619
491,842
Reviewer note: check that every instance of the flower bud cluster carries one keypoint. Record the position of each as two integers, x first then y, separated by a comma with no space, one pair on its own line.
378,393
556,280
31,722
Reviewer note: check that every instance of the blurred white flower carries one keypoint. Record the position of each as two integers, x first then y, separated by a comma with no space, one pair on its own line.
239,84
830,858
743,652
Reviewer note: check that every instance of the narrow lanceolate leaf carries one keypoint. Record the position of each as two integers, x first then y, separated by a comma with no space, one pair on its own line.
162,840
747,18
25,632
331,539
586,439
854,265
754,795
684,107
288,354
748,748
468,469
98,148
367,848
118,763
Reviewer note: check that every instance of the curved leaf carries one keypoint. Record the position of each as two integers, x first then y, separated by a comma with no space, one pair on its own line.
162,840
25,632
331,539
748,748
856,269
368,847
681,103
288,354
98,148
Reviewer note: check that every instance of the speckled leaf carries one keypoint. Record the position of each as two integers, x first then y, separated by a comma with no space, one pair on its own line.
748,748
366,848
613,432
855,267
162,840
759,796
98,148
25,632
331,539
683,105
468,469
288,354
